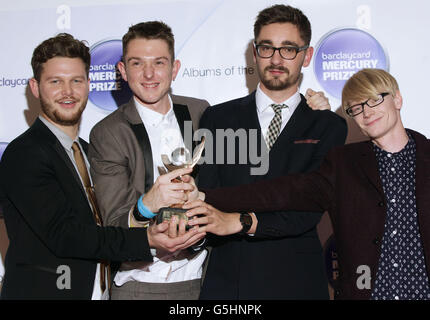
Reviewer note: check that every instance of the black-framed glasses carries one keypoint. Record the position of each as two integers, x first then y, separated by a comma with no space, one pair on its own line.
358,108
288,52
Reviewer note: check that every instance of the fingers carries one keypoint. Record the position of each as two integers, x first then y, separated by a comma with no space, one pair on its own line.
309,93
317,100
174,174
194,204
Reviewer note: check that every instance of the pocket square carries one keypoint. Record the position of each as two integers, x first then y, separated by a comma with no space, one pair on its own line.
307,141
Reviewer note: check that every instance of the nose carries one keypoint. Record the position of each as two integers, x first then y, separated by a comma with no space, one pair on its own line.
367,111
276,59
148,71
67,88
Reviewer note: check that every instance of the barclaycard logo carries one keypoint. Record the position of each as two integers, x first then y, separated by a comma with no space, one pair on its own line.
341,53
107,88
3,146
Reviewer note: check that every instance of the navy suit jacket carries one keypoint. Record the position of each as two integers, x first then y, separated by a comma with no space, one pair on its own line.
283,260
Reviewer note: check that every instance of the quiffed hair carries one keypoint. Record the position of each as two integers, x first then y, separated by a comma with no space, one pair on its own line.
150,30
62,45
284,14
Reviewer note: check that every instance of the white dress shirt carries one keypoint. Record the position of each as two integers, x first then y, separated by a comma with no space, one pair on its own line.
164,136
266,113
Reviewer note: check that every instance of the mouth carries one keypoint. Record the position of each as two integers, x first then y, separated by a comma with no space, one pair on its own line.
276,71
371,123
151,85
67,103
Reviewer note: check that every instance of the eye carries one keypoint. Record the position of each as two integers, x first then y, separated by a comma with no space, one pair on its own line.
265,48
290,49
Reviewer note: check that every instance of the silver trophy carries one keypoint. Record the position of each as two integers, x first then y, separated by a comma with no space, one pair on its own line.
180,158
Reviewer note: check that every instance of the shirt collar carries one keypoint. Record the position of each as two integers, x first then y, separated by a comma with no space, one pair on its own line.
407,154
263,101
64,139
152,117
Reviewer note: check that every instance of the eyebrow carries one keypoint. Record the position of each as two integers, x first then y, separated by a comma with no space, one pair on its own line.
284,43
156,58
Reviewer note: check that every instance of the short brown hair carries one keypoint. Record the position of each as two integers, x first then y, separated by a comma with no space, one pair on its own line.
367,83
150,30
62,45
284,14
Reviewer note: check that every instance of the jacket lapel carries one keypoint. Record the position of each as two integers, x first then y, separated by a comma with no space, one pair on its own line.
296,125
366,163
183,118
133,118
52,140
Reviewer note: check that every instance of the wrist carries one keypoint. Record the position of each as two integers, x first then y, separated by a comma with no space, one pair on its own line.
246,222
141,212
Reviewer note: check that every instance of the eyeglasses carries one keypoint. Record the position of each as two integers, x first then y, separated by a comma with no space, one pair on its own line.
356,109
288,52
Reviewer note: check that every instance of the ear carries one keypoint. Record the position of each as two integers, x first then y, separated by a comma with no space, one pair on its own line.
308,56
254,51
121,68
176,67
398,100
34,86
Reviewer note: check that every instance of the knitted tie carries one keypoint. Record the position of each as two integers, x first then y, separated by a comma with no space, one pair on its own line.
83,172
275,125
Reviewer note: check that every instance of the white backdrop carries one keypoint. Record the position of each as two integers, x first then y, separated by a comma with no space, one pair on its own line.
212,38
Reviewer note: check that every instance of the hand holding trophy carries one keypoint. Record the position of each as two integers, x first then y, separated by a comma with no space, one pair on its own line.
180,158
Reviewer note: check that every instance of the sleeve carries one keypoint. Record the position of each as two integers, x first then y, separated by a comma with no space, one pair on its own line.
312,191
30,183
111,175
294,223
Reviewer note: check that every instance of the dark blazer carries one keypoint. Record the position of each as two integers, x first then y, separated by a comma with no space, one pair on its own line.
283,260
347,185
50,223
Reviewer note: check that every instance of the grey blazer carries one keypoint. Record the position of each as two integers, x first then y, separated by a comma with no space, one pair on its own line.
117,161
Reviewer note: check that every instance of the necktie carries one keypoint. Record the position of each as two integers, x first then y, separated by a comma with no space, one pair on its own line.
275,125
83,172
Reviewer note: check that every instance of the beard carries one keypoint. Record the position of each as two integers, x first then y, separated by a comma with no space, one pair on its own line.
65,119
275,83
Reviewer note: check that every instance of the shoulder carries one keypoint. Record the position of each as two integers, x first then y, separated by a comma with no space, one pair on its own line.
113,121
231,106
190,102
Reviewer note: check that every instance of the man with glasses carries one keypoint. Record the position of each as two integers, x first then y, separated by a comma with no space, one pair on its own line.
376,193
282,258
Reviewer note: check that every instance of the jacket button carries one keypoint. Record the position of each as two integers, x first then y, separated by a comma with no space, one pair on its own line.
337,293
375,241
381,204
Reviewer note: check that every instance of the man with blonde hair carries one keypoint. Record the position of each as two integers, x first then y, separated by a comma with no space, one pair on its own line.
376,193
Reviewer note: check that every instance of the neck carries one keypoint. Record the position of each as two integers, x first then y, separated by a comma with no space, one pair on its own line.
162,106
279,96
71,131
393,142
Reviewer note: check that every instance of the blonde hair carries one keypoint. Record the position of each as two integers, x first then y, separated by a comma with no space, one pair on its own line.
367,84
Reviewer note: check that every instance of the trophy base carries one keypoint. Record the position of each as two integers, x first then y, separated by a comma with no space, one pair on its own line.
168,213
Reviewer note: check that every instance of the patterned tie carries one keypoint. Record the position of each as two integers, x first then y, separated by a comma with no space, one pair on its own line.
83,172
275,125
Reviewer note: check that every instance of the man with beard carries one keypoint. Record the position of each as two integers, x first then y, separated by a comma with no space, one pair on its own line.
282,257
58,246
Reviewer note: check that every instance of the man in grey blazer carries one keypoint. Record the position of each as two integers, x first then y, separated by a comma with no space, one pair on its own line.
125,152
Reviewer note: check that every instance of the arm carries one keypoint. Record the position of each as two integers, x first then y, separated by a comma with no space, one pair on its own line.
111,169
41,193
